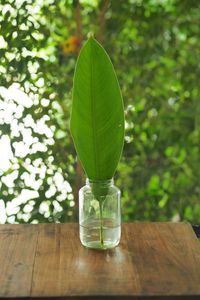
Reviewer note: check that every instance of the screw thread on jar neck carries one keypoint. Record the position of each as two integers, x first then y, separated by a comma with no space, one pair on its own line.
106,182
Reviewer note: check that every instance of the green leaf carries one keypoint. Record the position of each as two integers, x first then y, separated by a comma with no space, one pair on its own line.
97,118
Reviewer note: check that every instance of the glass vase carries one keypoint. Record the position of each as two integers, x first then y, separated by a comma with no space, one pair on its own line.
99,214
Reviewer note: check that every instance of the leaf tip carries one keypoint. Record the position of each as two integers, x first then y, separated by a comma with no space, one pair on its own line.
90,35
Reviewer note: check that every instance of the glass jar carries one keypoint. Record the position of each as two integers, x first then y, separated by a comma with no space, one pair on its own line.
99,214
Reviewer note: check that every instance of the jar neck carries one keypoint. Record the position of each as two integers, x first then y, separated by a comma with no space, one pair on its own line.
102,183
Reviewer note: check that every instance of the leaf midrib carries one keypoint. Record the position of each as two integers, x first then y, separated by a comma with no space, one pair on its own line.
93,110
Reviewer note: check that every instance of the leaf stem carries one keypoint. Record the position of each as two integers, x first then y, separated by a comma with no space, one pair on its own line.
101,223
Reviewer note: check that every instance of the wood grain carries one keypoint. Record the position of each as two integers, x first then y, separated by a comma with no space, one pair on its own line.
47,260
17,252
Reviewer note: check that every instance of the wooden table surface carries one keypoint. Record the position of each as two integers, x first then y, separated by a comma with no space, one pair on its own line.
47,260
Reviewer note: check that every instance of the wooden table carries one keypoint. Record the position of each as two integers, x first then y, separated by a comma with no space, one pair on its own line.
47,260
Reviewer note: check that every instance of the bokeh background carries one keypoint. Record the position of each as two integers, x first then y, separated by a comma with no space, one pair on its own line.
154,46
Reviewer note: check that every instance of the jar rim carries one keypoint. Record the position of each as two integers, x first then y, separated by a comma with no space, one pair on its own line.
100,181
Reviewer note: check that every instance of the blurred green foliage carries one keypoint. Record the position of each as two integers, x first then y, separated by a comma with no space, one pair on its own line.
154,46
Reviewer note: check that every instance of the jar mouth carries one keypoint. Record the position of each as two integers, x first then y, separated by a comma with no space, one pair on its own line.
100,182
